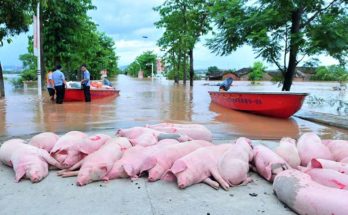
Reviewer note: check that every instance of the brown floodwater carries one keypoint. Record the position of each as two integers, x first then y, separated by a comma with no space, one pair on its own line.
146,101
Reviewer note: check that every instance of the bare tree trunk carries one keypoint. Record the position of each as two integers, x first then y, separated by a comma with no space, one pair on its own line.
294,47
191,67
176,78
2,85
185,68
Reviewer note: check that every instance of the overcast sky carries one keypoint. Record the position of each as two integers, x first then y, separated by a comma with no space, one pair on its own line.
127,22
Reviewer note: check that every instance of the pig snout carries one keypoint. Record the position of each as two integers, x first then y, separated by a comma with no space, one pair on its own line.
35,176
183,181
155,173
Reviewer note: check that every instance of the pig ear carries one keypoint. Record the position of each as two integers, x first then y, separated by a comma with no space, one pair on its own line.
128,169
20,173
168,176
316,164
149,163
95,138
178,166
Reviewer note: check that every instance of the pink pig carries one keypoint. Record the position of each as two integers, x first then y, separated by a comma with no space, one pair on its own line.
338,148
66,146
234,164
137,165
27,160
77,134
147,137
329,177
309,146
70,149
267,163
98,164
133,160
288,151
299,192
198,166
8,148
132,155
45,140
326,164
159,162
195,131
117,170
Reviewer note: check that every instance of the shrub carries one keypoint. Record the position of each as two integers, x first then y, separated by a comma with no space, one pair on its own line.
17,83
330,73
257,72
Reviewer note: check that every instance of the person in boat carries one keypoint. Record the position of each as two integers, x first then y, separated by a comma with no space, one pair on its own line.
50,84
59,84
86,83
105,81
226,84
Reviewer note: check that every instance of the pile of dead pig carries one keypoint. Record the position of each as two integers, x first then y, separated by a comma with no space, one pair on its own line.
308,175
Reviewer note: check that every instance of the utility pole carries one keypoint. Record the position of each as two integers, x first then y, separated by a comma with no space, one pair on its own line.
38,44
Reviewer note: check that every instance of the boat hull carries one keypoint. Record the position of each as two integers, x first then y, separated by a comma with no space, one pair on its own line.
76,95
280,105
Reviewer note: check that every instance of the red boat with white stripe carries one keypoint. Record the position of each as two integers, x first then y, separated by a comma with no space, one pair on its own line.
274,104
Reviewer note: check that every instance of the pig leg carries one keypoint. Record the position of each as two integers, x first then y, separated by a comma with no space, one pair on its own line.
246,181
69,174
211,183
76,166
219,179
47,157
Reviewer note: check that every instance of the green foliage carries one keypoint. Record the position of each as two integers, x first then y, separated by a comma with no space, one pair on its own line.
330,73
29,75
281,30
257,72
71,39
180,74
29,63
143,62
15,17
17,83
213,70
184,21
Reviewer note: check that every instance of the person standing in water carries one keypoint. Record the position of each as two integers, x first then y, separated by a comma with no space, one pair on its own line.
86,83
50,85
59,84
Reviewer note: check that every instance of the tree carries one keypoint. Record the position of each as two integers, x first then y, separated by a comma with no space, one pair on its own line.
330,73
184,22
15,16
143,62
29,62
282,30
213,70
257,72
71,39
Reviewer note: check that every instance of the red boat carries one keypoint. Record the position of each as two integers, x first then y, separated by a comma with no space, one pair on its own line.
76,95
275,104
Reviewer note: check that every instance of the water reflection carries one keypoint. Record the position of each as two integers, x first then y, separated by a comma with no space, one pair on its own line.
254,126
146,101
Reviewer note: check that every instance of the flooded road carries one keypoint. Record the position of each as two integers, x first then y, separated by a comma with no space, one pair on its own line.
152,101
